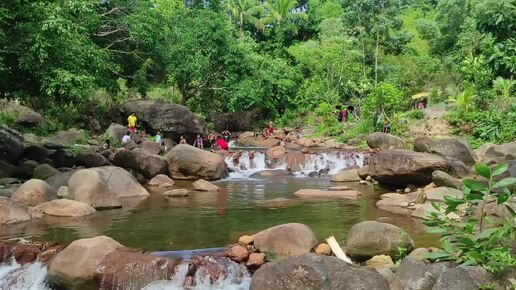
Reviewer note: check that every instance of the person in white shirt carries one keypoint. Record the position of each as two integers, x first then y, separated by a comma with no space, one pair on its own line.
126,138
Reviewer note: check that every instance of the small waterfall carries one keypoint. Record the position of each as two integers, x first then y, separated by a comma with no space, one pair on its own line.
32,276
235,277
246,163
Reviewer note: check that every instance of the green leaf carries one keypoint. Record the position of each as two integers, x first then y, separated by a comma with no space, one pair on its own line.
483,170
474,185
505,182
500,168
503,197
486,233
513,213
440,255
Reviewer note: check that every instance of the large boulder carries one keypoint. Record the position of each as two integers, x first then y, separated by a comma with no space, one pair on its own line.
186,161
14,212
116,131
402,167
346,175
92,187
65,208
63,158
455,279
285,240
123,183
453,148
25,116
259,142
34,192
11,144
75,266
150,147
276,152
67,137
438,193
417,275
384,141
91,159
234,121
204,185
36,153
316,272
6,169
140,160
44,171
60,179
172,119
371,238
492,153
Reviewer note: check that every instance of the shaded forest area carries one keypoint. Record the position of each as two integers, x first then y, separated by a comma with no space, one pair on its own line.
280,59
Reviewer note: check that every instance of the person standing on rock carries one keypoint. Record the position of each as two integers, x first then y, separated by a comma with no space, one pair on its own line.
198,142
158,138
131,122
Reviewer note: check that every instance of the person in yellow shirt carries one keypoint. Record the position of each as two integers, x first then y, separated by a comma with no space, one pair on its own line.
131,122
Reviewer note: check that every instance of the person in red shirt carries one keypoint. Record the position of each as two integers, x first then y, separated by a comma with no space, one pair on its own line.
269,130
223,145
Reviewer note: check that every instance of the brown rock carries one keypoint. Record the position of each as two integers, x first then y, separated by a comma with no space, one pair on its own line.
420,254
204,185
49,253
76,265
161,180
276,152
13,212
238,253
65,208
187,161
245,240
349,194
255,261
380,261
323,249
34,192
346,175
132,270
285,240
25,254
339,188
176,192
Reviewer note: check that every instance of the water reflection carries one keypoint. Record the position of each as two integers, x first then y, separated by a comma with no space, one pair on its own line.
214,219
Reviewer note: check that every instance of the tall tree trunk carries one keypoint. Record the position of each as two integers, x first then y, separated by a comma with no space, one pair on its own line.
376,59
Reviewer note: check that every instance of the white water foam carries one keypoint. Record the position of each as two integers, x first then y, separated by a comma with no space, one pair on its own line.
332,162
14,276
233,281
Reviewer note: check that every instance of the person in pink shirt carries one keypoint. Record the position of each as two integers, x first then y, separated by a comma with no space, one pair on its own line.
223,145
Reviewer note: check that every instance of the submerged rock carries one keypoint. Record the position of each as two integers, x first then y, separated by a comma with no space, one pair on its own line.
204,185
176,192
285,240
350,194
315,272
371,238
65,208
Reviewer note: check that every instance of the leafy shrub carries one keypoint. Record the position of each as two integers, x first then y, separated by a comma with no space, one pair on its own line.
477,239
325,121
7,118
401,121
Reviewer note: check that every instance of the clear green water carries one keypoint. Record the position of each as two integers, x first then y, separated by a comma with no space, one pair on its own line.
205,220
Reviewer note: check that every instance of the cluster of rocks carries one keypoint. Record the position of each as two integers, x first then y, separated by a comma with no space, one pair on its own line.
286,256
433,170
248,139
49,178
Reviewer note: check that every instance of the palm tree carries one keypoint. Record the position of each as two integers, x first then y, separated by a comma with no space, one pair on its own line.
242,11
280,10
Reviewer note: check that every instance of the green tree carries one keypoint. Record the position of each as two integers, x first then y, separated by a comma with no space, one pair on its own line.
243,11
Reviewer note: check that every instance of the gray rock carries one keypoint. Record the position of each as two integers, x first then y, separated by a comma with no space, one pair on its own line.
384,141
36,153
44,171
402,167
140,160
91,159
171,119
6,169
454,279
415,275
438,193
315,272
346,175
62,158
187,161
441,178
11,144
30,119
370,238
25,169
116,131
492,153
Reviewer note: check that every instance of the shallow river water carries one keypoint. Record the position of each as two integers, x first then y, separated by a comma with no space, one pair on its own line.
214,219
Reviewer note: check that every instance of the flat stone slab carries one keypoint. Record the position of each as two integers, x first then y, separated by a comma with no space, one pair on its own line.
338,188
349,194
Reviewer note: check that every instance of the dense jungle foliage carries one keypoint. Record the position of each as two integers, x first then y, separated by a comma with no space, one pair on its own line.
285,60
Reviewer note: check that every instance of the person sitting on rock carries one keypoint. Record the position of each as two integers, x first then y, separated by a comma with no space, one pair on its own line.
182,140
198,142
126,138
212,137
131,122
223,145
269,130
